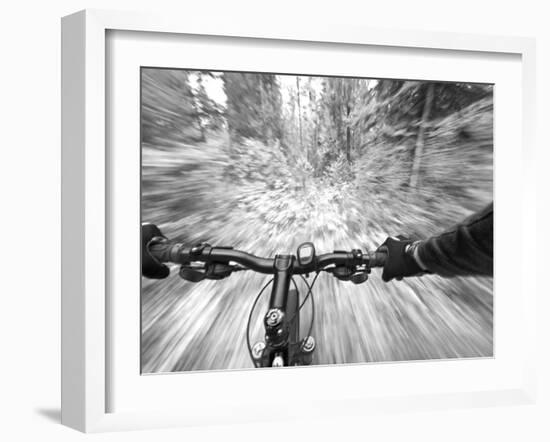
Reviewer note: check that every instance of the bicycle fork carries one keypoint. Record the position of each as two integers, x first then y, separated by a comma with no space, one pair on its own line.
279,350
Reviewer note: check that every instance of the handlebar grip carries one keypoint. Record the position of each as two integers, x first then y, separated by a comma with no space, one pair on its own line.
165,251
377,259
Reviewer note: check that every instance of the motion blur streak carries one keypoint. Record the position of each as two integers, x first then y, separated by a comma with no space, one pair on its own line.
286,169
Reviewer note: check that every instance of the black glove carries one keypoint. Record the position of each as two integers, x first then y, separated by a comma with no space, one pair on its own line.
150,267
400,261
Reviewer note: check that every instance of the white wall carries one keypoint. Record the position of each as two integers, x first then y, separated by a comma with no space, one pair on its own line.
30,207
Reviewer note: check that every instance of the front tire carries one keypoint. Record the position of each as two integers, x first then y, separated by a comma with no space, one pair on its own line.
293,314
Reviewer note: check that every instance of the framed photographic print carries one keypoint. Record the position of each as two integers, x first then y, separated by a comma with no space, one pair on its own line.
258,178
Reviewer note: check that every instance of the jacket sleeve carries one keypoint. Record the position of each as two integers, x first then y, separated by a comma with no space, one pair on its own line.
466,249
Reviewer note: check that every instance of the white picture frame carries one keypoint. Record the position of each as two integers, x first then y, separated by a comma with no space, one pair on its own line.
85,214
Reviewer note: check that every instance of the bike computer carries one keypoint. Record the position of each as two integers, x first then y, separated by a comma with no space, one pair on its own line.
305,254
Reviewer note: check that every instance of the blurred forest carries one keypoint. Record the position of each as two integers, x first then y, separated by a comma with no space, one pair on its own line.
264,162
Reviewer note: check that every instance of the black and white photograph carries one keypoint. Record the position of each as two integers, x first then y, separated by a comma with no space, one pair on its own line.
301,220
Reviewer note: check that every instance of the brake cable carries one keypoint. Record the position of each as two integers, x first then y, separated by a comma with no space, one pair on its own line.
250,320
309,293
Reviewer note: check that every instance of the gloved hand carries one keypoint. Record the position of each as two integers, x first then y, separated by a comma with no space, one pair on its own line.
400,261
150,267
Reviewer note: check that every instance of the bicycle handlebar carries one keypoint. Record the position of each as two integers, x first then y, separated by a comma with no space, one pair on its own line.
176,253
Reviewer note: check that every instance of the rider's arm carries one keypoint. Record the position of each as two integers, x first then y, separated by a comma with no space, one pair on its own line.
466,249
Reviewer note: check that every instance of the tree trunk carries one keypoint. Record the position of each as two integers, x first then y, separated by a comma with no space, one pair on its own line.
348,135
198,111
264,134
299,112
419,148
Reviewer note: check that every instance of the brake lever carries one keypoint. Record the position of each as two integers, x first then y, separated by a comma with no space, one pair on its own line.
218,270
214,271
192,273
355,275
239,268
359,277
